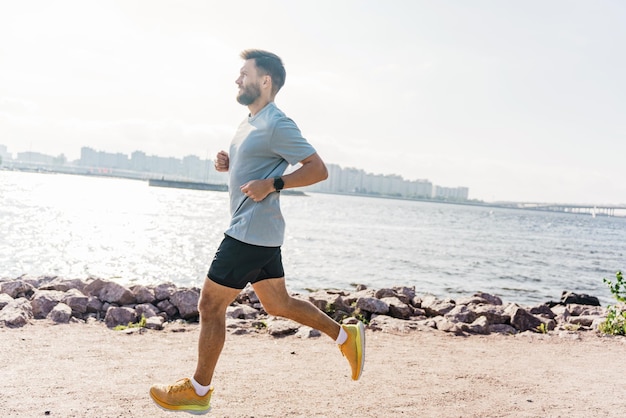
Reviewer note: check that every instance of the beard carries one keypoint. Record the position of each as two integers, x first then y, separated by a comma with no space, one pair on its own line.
249,94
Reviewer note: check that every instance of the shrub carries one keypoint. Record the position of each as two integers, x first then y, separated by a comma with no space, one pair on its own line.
615,323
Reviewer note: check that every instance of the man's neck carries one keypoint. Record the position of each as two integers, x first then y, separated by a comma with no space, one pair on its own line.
258,105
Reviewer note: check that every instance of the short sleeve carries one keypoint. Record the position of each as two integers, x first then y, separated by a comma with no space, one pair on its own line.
287,141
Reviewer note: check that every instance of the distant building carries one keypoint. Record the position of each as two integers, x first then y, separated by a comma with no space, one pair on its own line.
353,180
451,193
4,154
30,157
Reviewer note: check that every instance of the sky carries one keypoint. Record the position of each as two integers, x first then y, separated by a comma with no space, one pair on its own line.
518,101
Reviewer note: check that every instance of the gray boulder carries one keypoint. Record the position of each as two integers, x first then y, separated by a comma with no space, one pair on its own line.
60,314
522,320
461,313
4,300
16,313
143,294
186,301
43,301
397,308
116,293
17,289
78,302
148,310
120,316
372,305
436,307
164,291
241,312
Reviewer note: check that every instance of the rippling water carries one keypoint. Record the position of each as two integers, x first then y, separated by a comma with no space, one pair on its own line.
74,226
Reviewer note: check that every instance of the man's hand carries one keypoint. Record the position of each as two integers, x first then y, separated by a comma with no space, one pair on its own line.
258,190
222,161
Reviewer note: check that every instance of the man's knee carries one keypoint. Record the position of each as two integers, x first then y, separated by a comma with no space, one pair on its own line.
207,306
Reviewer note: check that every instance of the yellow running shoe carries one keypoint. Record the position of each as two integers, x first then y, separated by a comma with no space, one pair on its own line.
354,348
181,396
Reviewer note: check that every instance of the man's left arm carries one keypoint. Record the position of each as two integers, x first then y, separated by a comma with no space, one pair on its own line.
312,170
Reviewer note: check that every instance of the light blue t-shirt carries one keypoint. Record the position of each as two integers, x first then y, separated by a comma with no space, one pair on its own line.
263,147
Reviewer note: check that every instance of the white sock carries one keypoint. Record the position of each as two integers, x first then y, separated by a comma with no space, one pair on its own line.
200,390
343,336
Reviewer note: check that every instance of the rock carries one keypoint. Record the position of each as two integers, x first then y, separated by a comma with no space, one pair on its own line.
279,326
445,325
568,298
120,316
250,295
186,301
17,313
405,294
461,313
63,285
388,324
397,308
372,305
43,301
241,312
308,332
94,304
116,293
495,314
416,302
94,287
60,314
385,293
502,329
4,300
479,326
582,320
436,307
329,302
471,300
77,301
168,308
143,294
523,320
155,322
542,310
17,289
491,299
147,310
164,291
577,309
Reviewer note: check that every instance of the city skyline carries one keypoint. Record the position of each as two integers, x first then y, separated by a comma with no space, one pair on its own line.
517,101
194,168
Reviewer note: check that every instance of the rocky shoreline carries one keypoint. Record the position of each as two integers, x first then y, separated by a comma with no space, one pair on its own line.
397,309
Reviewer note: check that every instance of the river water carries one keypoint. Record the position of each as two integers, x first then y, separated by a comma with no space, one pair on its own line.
125,230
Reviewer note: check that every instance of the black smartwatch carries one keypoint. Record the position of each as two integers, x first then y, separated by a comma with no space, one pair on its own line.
279,184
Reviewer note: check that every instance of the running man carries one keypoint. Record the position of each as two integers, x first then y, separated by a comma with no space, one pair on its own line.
265,144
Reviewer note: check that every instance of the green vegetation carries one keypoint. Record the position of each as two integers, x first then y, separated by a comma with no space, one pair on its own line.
140,324
615,323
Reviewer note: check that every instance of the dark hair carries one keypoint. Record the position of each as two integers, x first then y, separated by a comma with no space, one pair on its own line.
269,64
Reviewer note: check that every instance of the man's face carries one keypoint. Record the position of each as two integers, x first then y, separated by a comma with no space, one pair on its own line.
249,83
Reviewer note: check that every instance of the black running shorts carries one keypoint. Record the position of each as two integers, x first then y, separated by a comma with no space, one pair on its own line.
236,263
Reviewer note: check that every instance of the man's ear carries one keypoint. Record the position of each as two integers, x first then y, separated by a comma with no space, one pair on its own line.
267,81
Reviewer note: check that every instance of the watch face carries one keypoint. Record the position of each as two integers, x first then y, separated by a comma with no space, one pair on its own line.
279,183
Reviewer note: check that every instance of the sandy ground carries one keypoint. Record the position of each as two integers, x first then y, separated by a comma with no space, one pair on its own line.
88,370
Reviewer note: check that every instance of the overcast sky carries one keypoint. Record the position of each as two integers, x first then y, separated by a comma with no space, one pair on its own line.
522,101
